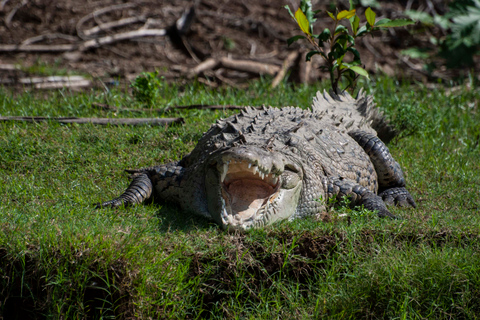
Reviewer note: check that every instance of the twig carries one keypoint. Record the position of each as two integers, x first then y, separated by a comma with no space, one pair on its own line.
86,45
35,80
2,4
99,12
287,64
63,84
113,24
37,48
192,106
187,46
12,13
210,107
49,36
95,43
99,121
56,82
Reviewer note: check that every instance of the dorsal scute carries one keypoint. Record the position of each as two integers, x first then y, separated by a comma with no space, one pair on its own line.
356,113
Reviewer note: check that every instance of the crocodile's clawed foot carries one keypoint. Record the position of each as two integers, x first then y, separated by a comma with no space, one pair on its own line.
117,202
398,196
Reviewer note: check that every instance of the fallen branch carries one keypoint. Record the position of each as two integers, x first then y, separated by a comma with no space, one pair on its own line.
250,66
37,48
56,82
287,64
99,12
203,66
49,36
63,84
113,24
95,43
103,106
85,45
35,80
99,121
239,65
12,13
210,107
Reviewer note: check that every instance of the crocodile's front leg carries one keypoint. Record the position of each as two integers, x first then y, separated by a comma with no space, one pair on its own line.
390,175
338,188
144,183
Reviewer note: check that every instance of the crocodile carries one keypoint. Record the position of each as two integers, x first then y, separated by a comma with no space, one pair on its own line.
270,164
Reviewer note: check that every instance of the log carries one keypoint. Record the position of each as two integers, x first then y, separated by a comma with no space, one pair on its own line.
250,66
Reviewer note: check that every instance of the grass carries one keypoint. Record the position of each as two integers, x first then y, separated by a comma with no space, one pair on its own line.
60,258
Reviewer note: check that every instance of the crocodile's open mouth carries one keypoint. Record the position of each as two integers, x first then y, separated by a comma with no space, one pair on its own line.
247,188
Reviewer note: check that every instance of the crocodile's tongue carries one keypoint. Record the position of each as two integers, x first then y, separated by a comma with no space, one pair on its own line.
247,196
246,188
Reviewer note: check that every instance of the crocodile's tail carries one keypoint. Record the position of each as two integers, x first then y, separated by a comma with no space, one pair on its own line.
360,113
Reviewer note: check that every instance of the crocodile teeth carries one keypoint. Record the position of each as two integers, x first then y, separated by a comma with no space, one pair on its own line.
224,171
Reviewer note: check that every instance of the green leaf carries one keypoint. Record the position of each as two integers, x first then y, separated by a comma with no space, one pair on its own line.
340,29
355,53
370,15
360,71
382,21
306,7
331,15
355,22
346,14
362,31
337,51
395,23
311,54
344,38
293,39
325,35
302,21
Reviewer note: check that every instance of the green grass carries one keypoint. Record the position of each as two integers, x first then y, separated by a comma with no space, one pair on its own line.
60,258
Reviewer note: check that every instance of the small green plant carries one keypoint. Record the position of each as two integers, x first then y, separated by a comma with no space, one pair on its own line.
146,87
340,39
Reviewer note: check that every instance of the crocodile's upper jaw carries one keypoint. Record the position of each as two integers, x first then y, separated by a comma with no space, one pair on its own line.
249,187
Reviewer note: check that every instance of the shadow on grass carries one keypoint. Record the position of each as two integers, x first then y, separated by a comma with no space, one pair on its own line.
171,217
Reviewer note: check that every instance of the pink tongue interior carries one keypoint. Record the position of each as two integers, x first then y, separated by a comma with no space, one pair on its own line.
248,195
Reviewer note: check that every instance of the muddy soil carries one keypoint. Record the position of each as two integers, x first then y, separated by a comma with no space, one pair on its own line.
33,33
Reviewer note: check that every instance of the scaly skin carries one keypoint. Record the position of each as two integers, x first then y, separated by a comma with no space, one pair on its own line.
261,166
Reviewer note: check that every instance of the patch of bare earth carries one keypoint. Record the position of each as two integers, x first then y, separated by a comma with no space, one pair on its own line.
223,41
